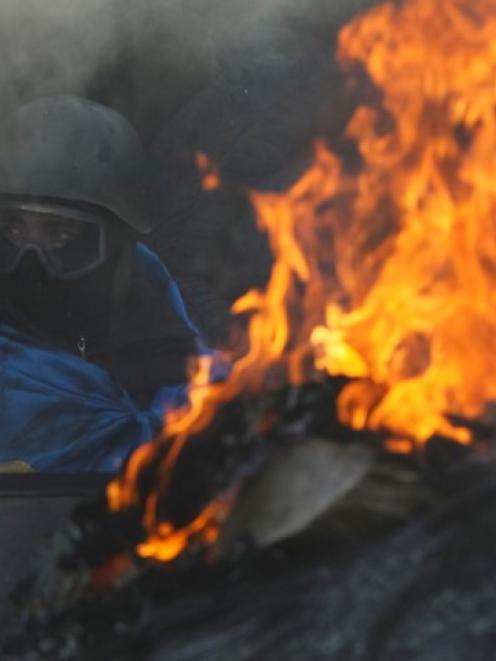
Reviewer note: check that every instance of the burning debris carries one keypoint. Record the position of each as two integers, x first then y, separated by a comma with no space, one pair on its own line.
383,274
376,329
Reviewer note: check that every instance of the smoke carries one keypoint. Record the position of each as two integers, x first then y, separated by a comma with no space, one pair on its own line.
99,48
119,51
144,58
46,48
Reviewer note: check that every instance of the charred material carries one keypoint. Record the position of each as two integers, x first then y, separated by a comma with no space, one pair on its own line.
288,601
244,437
94,598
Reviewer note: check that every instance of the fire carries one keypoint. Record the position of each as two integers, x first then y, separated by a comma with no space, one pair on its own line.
209,172
421,337
384,273
166,543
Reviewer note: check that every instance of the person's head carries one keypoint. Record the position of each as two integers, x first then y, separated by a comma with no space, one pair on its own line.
76,190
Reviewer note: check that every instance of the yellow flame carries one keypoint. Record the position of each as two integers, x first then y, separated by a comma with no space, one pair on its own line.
433,171
386,274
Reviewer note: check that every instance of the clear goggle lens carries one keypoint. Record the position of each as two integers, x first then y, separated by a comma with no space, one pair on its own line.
69,242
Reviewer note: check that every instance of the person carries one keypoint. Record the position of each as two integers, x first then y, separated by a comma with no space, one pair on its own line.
94,334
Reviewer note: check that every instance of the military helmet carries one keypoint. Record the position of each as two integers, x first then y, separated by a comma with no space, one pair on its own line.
67,150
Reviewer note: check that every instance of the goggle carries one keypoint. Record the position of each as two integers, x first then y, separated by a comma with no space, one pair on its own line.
69,242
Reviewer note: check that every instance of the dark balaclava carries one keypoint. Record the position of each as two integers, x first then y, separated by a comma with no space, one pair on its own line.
61,310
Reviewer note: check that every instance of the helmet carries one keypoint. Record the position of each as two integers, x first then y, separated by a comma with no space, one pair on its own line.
65,149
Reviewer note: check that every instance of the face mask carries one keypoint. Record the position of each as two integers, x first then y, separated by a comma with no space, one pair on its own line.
54,307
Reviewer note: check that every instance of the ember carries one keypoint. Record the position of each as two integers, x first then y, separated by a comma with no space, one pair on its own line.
211,178
383,273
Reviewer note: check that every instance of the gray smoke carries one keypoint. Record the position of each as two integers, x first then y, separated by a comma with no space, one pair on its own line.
99,48
145,58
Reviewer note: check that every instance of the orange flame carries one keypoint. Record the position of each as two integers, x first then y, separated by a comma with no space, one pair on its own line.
386,275
166,543
209,171
424,329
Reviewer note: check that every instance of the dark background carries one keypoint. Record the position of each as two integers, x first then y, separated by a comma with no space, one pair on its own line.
250,83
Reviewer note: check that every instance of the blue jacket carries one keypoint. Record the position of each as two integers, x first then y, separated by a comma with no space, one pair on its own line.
59,413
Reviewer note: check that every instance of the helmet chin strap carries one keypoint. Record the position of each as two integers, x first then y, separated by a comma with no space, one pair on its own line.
120,291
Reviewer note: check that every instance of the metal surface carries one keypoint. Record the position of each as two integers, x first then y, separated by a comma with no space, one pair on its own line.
32,508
